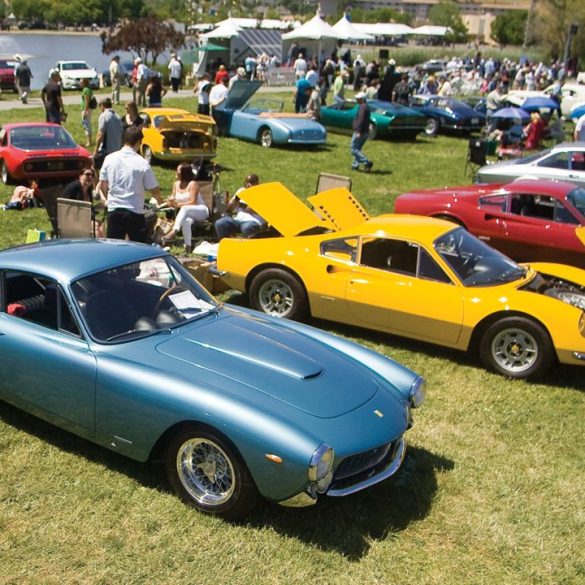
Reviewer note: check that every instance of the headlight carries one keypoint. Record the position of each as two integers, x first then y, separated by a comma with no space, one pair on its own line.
321,462
418,392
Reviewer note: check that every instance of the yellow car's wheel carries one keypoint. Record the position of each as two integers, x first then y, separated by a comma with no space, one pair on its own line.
278,293
147,154
517,347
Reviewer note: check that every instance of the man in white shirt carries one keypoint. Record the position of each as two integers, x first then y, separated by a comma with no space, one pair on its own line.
217,100
175,72
201,90
124,178
300,66
115,78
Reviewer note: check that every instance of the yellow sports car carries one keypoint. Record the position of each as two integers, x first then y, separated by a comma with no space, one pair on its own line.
418,277
171,134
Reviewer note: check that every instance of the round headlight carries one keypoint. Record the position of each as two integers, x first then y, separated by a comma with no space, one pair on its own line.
321,462
418,392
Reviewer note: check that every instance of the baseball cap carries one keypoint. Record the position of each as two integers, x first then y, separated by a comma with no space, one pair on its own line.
360,95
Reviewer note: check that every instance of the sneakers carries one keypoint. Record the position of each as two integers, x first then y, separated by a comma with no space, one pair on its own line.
368,166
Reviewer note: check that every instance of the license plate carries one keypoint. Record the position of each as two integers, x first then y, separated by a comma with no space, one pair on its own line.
55,166
475,120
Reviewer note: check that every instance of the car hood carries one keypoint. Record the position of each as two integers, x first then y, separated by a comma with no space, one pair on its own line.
80,73
339,208
393,110
281,209
293,123
240,92
580,231
272,363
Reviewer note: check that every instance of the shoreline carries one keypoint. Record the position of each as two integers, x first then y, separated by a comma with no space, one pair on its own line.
39,31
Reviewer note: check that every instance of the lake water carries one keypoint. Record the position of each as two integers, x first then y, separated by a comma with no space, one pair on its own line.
43,50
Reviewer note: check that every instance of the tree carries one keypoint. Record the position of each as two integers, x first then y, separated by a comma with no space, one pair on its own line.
554,18
379,15
446,13
145,36
508,28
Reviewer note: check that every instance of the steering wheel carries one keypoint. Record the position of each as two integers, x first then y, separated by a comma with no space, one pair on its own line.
166,294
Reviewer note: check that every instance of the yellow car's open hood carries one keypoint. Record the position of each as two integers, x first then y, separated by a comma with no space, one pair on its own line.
339,208
580,231
283,210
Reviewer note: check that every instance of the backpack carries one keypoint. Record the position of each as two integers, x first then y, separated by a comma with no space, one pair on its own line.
93,102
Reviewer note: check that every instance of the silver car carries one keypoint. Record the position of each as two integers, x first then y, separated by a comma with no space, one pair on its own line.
564,162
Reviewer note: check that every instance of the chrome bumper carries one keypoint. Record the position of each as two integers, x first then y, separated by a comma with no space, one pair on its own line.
305,499
389,471
579,355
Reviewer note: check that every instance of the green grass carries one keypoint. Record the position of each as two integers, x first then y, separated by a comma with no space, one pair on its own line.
491,491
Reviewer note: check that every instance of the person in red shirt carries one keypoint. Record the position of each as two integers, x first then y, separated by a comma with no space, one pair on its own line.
222,73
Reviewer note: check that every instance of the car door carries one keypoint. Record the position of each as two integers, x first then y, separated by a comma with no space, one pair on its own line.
400,288
46,363
567,165
245,124
539,227
340,117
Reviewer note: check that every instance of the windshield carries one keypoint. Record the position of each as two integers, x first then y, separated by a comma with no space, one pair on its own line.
260,106
475,263
74,66
577,199
41,138
140,299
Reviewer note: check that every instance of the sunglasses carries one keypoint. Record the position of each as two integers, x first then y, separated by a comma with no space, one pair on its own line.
89,174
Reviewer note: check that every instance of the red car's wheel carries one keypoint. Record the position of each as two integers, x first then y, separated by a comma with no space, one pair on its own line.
4,174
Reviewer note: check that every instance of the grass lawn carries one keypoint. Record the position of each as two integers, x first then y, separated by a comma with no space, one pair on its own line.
491,490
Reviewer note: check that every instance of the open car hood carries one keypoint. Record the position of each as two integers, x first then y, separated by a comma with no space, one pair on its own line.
240,92
283,210
580,231
274,362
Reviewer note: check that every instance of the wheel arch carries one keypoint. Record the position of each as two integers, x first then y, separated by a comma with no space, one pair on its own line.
489,320
450,217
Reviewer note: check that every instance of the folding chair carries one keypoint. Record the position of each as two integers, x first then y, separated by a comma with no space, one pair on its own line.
74,219
327,181
476,154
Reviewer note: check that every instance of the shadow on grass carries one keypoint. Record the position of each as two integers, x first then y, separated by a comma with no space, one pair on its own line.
345,525
348,525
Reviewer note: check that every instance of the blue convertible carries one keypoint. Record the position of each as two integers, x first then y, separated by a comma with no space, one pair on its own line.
263,120
447,114
116,342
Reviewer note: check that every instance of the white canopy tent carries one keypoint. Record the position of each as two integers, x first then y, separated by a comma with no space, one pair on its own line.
321,34
384,29
431,30
227,30
350,31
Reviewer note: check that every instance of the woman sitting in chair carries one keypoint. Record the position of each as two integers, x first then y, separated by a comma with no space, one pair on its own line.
534,132
187,200
84,189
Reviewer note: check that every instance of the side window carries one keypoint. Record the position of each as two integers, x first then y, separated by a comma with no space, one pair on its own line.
340,249
38,300
578,161
556,161
563,215
494,202
394,255
429,269
538,206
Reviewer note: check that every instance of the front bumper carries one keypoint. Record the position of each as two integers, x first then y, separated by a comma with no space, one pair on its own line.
376,475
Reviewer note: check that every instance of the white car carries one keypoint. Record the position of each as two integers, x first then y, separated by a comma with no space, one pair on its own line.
563,162
72,72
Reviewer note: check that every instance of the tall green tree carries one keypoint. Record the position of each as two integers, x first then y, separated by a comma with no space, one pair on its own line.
508,28
554,18
147,37
447,13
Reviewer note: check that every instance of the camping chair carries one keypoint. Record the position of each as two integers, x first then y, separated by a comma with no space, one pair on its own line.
476,154
74,219
48,197
326,181
216,203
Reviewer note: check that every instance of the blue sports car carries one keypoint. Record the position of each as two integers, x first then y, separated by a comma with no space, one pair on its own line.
116,342
263,120
447,114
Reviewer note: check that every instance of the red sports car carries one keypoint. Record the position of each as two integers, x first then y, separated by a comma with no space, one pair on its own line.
39,151
7,77
527,219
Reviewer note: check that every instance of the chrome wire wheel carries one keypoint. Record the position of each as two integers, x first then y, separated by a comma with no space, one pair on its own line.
514,350
206,472
276,298
266,139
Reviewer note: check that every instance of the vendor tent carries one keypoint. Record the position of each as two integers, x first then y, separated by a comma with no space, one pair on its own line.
431,30
350,31
227,30
316,30
384,29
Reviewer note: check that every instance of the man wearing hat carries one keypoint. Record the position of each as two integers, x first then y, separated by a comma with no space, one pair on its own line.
140,81
361,127
239,75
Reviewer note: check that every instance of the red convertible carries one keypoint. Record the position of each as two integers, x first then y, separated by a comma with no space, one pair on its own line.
527,219
39,151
